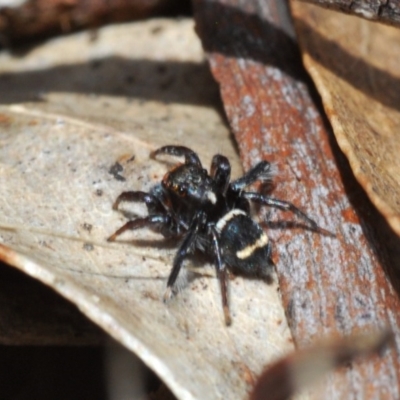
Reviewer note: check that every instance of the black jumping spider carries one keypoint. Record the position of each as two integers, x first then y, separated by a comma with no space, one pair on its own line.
209,213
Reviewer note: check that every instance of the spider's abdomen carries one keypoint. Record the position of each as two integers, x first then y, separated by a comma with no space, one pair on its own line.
244,245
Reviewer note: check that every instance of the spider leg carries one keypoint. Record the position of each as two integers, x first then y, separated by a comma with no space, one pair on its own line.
220,171
153,204
184,250
261,171
151,220
285,206
180,151
221,273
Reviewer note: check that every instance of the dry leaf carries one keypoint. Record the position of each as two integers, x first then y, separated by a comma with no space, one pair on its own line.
58,187
354,64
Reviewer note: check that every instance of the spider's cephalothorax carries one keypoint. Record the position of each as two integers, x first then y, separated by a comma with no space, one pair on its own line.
210,213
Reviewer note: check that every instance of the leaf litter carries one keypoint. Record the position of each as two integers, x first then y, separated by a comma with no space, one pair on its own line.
57,148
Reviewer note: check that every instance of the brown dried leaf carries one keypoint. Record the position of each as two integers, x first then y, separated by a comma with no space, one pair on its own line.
354,64
57,192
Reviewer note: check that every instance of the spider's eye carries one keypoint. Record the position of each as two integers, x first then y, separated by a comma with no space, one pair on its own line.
182,190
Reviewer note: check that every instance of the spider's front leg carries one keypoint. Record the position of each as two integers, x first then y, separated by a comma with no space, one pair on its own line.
158,219
285,206
180,151
152,221
153,204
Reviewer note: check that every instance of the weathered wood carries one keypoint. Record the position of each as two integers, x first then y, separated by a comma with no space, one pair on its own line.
386,11
329,286
40,18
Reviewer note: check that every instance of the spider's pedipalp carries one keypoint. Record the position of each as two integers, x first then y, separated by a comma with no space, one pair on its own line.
180,151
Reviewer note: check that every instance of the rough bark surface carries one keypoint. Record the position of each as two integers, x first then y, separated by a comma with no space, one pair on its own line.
386,11
328,285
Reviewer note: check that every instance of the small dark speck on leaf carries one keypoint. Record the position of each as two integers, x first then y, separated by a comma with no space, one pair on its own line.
87,227
115,171
88,247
